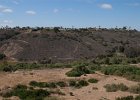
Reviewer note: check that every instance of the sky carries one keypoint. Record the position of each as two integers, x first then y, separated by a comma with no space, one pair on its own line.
70,13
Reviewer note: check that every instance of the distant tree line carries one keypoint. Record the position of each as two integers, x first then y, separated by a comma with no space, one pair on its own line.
58,29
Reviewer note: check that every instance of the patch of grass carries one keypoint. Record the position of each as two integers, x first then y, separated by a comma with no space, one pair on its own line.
2,56
43,84
135,89
111,88
114,87
78,71
8,67
127,71
59,65
122,87
129,98
33,83
52,98
72,83
24,93
125,98
92,80
61,84
78,83
27,93
83,83
52,85
137,97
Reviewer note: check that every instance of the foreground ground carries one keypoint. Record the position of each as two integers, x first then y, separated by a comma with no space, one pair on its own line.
85,93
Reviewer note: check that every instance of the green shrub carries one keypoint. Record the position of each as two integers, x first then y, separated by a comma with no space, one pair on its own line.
135,89
8,68
52,85
73,73
125,98
72,83
130,72
52,98
43,84
2,56
24,93
33,83
114,87
137,97
61,84
92,80
58,65
111,88
116,60
38,84
78,71
81,83
78,83
122,87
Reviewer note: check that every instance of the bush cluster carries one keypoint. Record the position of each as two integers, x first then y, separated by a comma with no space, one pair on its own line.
7,67
121,87
114,87
130,72
116,60
2,56
71,83
78,83
79,70
24,93
43,84
135,89
92,80
129,98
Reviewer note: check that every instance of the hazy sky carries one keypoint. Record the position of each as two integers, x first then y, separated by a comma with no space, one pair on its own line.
68,13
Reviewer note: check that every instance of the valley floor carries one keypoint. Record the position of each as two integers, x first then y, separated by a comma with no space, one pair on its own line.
94,91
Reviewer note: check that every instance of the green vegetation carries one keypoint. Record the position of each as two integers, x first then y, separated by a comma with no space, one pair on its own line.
129,98
79,70
27,94
59,65
111,88
2,56
52,98
121,87
43,84
115,59
127,71
61,84
124,70
114,87
137,97
92,80
78,83
30,93
71,83
7,67
126,98
135,89
82,83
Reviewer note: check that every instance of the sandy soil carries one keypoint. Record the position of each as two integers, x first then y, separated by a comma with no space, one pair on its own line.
85,93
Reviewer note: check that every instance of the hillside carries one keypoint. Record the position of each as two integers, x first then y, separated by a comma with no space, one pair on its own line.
67,44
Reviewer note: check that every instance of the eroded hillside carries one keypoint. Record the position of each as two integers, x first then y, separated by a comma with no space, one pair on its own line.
63,45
